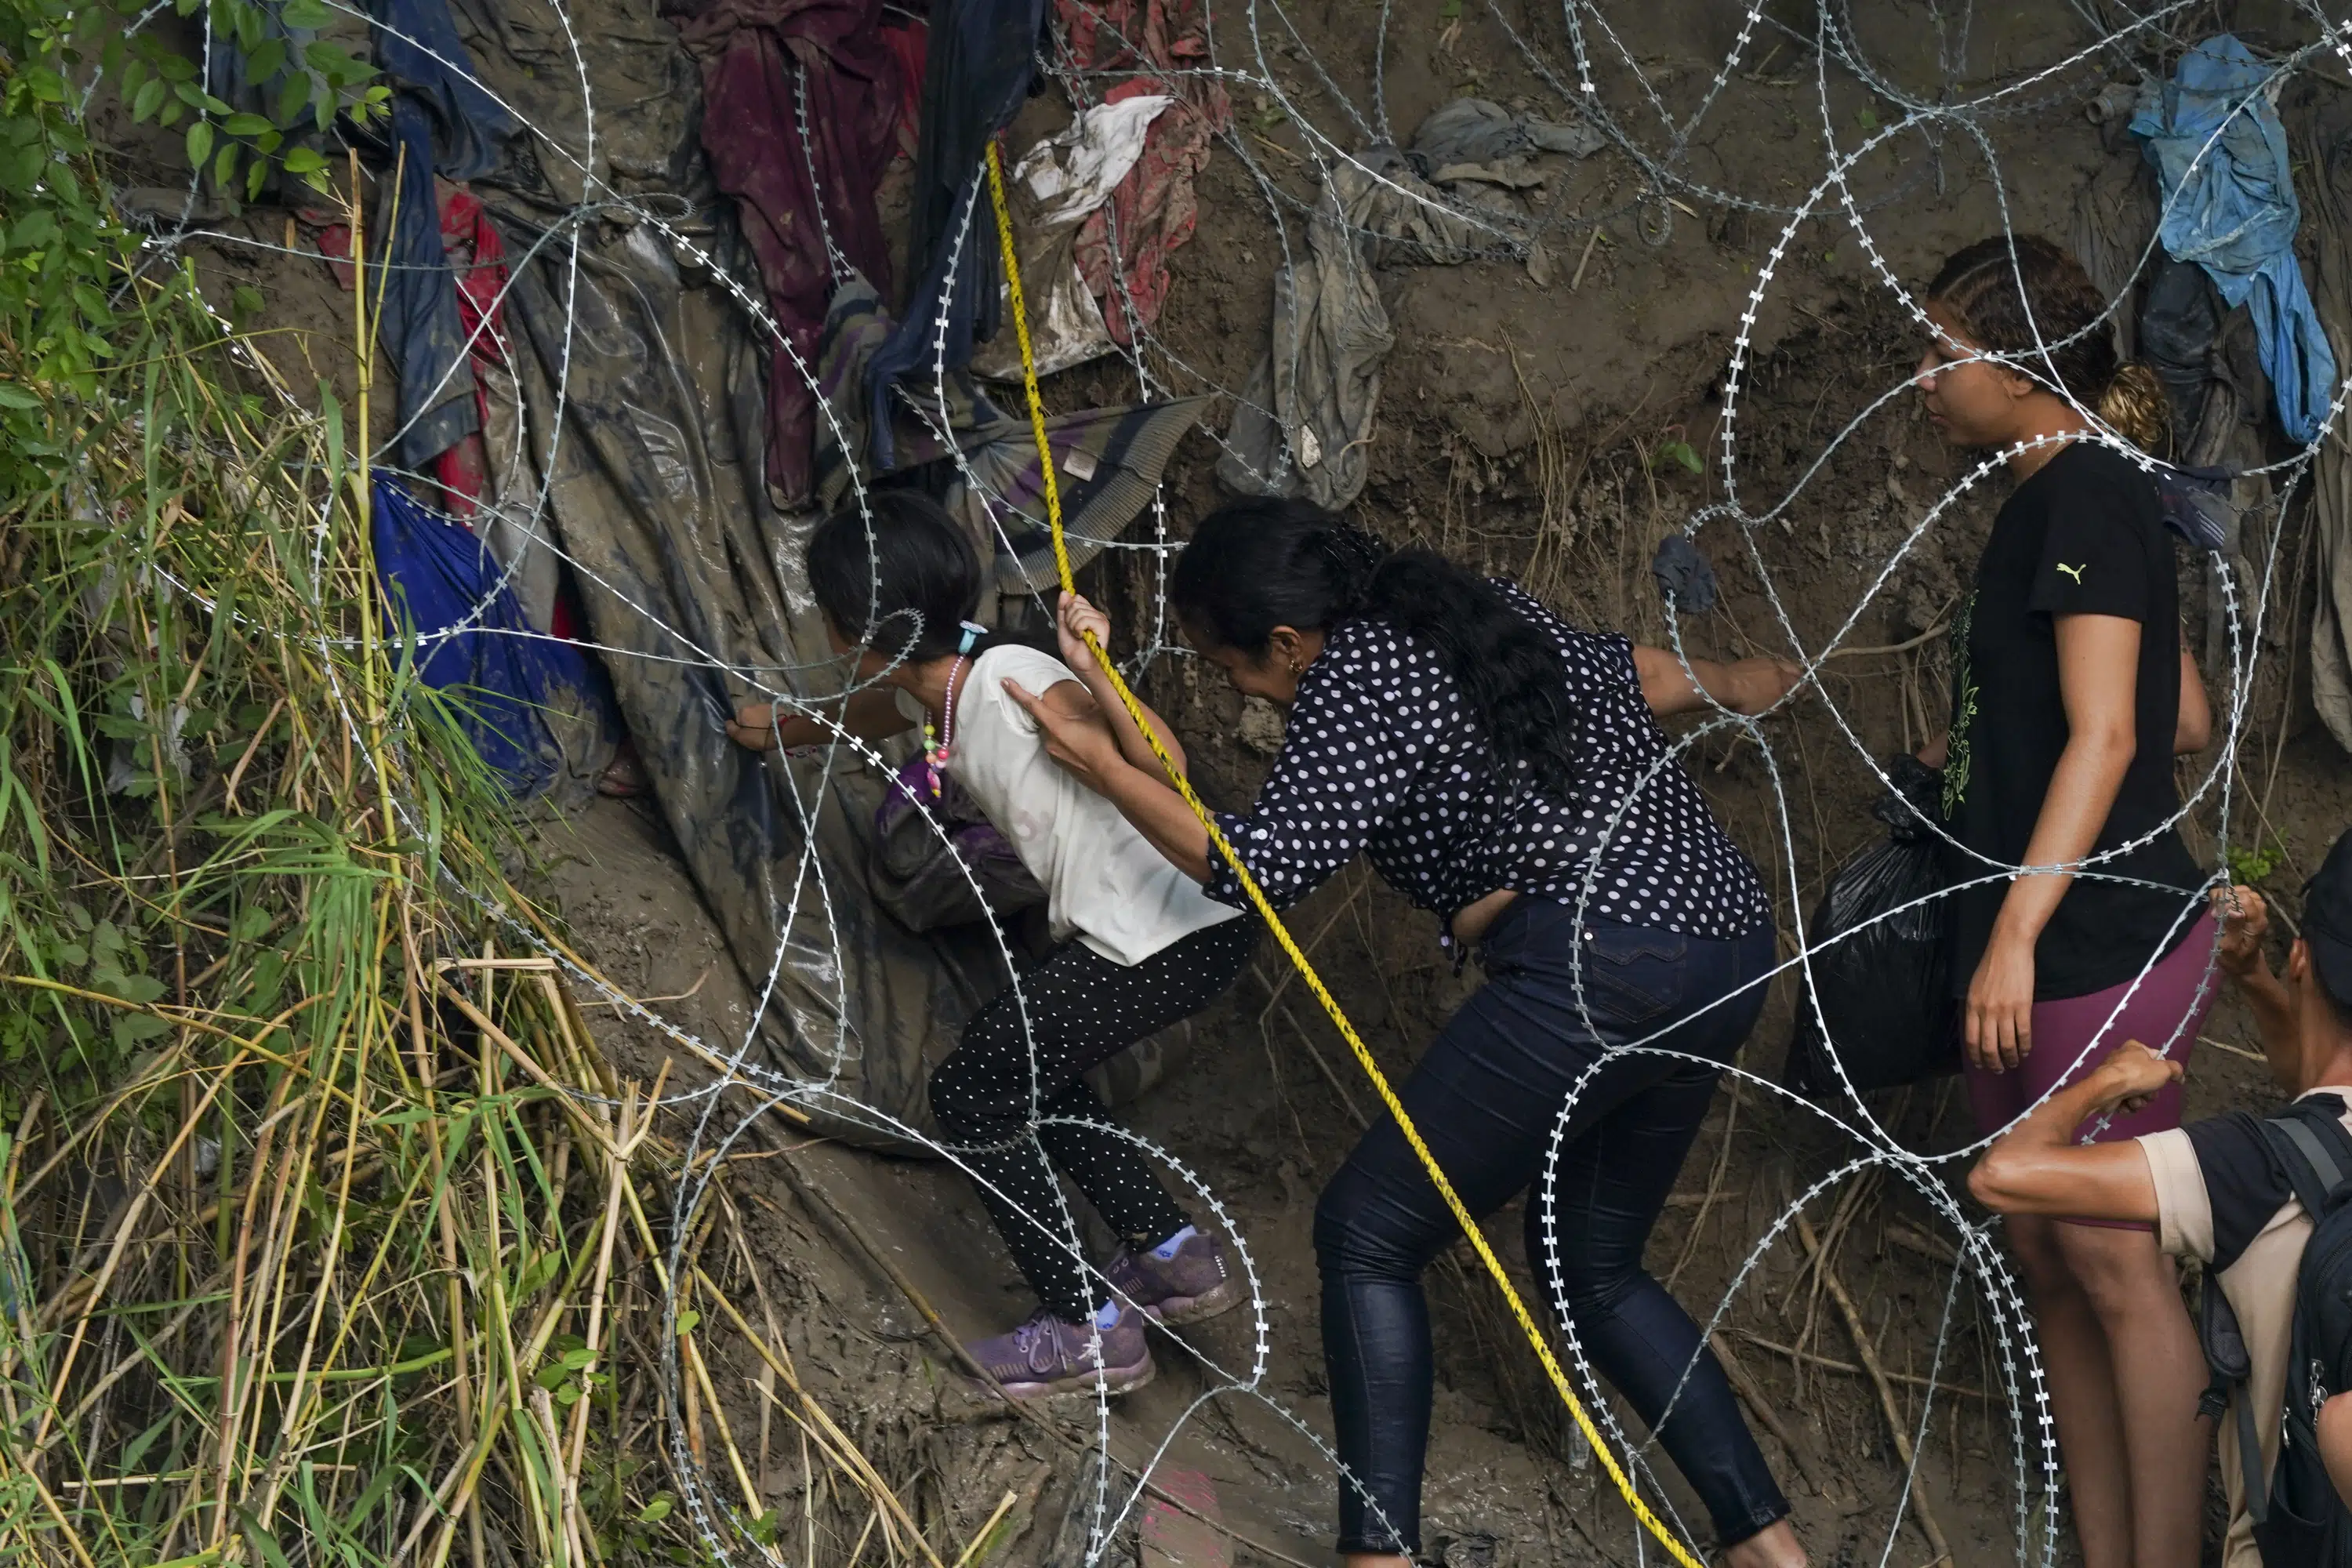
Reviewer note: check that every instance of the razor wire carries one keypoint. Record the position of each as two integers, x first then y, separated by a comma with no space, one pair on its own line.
1653,142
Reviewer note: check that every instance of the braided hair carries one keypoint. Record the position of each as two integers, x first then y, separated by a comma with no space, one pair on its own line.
2049,324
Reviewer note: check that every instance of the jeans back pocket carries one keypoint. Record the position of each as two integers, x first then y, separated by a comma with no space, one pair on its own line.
1635,974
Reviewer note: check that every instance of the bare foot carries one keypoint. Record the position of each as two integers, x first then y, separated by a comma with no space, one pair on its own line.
625,775
1774,1546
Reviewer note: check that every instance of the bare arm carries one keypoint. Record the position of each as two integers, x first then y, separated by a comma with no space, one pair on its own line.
2037,1168
1075,617
870,714
1745,685
2098,661
2244,919
2193,731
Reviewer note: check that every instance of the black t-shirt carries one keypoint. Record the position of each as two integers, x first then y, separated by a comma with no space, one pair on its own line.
2082,535
2244,1181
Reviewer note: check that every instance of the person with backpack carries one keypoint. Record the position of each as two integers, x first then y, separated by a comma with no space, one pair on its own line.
2239,1192
2076,911
1138,946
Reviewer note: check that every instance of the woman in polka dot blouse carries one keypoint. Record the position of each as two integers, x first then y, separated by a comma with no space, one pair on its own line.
1504,771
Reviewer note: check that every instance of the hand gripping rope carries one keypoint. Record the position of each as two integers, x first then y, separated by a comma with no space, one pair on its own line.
1650,1522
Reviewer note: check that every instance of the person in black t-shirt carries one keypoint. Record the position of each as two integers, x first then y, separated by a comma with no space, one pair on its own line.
2211,1189
2069,694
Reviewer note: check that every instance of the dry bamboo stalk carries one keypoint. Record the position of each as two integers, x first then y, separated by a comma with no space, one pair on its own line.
695,1364
445,1222
1921,1510
626,1136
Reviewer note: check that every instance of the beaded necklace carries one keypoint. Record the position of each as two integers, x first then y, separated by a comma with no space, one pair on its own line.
936,748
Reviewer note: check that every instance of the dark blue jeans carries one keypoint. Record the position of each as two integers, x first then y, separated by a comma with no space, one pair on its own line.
1485,1099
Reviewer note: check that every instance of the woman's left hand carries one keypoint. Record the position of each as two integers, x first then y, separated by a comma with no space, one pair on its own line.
1080,739
2000,1008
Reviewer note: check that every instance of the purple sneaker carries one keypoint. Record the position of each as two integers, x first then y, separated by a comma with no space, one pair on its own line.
1198,1282
1047,1356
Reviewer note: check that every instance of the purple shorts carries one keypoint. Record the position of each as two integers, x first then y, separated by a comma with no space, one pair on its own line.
2163,1010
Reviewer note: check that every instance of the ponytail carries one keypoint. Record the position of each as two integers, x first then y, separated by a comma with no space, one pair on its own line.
1257,565
2135,403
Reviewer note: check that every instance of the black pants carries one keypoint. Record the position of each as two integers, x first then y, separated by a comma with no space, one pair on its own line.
1021,1059
1486,1098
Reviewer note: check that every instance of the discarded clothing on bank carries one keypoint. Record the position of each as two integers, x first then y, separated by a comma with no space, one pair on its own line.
1160,50
1685,578
1462,134
692,576
976,75
518,697
442,121
631,131
2331,473
2178,318
769,67
981,463
477,259
2231,207
1303,423
1057,186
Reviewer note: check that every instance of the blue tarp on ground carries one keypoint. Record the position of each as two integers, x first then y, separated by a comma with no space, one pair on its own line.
510,686
2230,206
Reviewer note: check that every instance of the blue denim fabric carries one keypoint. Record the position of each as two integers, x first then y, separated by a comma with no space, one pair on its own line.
1486,1098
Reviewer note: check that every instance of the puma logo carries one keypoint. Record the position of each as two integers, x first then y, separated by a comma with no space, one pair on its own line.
2074,572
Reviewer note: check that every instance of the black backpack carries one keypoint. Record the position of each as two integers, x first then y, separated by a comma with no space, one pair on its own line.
2299,1521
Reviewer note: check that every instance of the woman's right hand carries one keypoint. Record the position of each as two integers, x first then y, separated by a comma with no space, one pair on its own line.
1073,619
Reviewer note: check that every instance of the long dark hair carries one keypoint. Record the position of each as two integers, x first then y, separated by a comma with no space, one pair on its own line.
900,578
2056,308
1257,565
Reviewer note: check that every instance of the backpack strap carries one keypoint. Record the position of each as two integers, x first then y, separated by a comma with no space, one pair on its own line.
2227,1367
2313,1146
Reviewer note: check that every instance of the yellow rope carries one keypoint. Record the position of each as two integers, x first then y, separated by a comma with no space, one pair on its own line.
1470,1227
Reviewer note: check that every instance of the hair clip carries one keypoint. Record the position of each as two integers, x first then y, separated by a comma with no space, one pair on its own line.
972,632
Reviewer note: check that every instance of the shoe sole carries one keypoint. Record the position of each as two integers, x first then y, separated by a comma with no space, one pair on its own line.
1113,1382
1178,1311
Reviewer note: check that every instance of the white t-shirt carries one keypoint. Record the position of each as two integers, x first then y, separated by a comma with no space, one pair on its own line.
1104,881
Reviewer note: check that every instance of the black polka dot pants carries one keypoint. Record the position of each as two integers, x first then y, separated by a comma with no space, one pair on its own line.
1074,1009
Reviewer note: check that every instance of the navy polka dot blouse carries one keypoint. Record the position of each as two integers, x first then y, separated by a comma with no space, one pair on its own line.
1382,755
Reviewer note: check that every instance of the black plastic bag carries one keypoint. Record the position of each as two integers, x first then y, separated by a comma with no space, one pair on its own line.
1884,990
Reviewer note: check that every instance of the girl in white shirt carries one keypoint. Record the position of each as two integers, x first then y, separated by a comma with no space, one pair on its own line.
1139,945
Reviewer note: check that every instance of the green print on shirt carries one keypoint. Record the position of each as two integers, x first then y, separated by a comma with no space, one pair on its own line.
1964,714
2074,572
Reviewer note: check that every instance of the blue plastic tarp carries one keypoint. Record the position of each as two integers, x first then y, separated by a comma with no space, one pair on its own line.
2221,158
506,682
